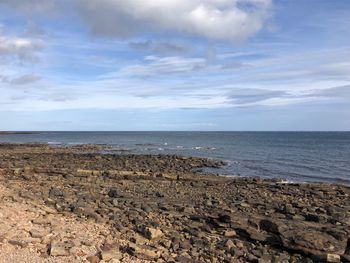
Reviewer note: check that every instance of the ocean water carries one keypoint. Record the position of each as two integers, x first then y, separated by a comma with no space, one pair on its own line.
294,156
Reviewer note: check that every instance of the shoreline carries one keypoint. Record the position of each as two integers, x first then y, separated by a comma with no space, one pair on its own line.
108,149
156,208
16,132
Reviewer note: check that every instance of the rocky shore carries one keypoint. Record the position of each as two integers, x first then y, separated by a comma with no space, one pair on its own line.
75,204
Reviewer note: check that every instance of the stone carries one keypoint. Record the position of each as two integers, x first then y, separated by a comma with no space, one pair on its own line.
111,254
56,192
152,233
322,257
269,226
48,210
113,193
115,202
230,233
36,233
93,259
41,221
229,244
224,218
333,258
345,258
146,208
87,242
314,243
61,248
18,243
159,194
142,252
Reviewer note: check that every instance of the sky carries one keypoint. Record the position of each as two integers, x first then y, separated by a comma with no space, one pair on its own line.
209,65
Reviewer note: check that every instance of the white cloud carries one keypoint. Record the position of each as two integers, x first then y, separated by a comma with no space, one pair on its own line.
21,48
233,20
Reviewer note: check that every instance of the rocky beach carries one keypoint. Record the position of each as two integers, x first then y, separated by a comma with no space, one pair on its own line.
89,203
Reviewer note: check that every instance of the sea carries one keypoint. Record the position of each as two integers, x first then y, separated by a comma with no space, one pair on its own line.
292,156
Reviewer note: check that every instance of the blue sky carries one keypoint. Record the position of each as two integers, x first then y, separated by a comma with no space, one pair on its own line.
174,65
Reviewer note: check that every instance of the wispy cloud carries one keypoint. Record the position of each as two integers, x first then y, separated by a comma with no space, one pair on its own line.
161,48
21,80
155,66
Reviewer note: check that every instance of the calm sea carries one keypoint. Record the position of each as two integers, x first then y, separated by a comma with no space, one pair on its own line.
294,156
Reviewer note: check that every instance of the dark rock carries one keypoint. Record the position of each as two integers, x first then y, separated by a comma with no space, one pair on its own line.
224,218
113,193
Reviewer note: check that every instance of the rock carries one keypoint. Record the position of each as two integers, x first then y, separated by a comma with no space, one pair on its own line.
61,248
18,243
146,208
56,192
113,193
48,210
41,221
245,205
142,252
333,258
93,259
87,242
229,244
196,218
345,258
151,233
230,233
187,209
224,218
271,226
111,254
314,243
88,212
159,194
115,202
239,243
36,233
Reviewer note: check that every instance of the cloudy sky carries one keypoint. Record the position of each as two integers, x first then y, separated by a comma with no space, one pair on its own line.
174,65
